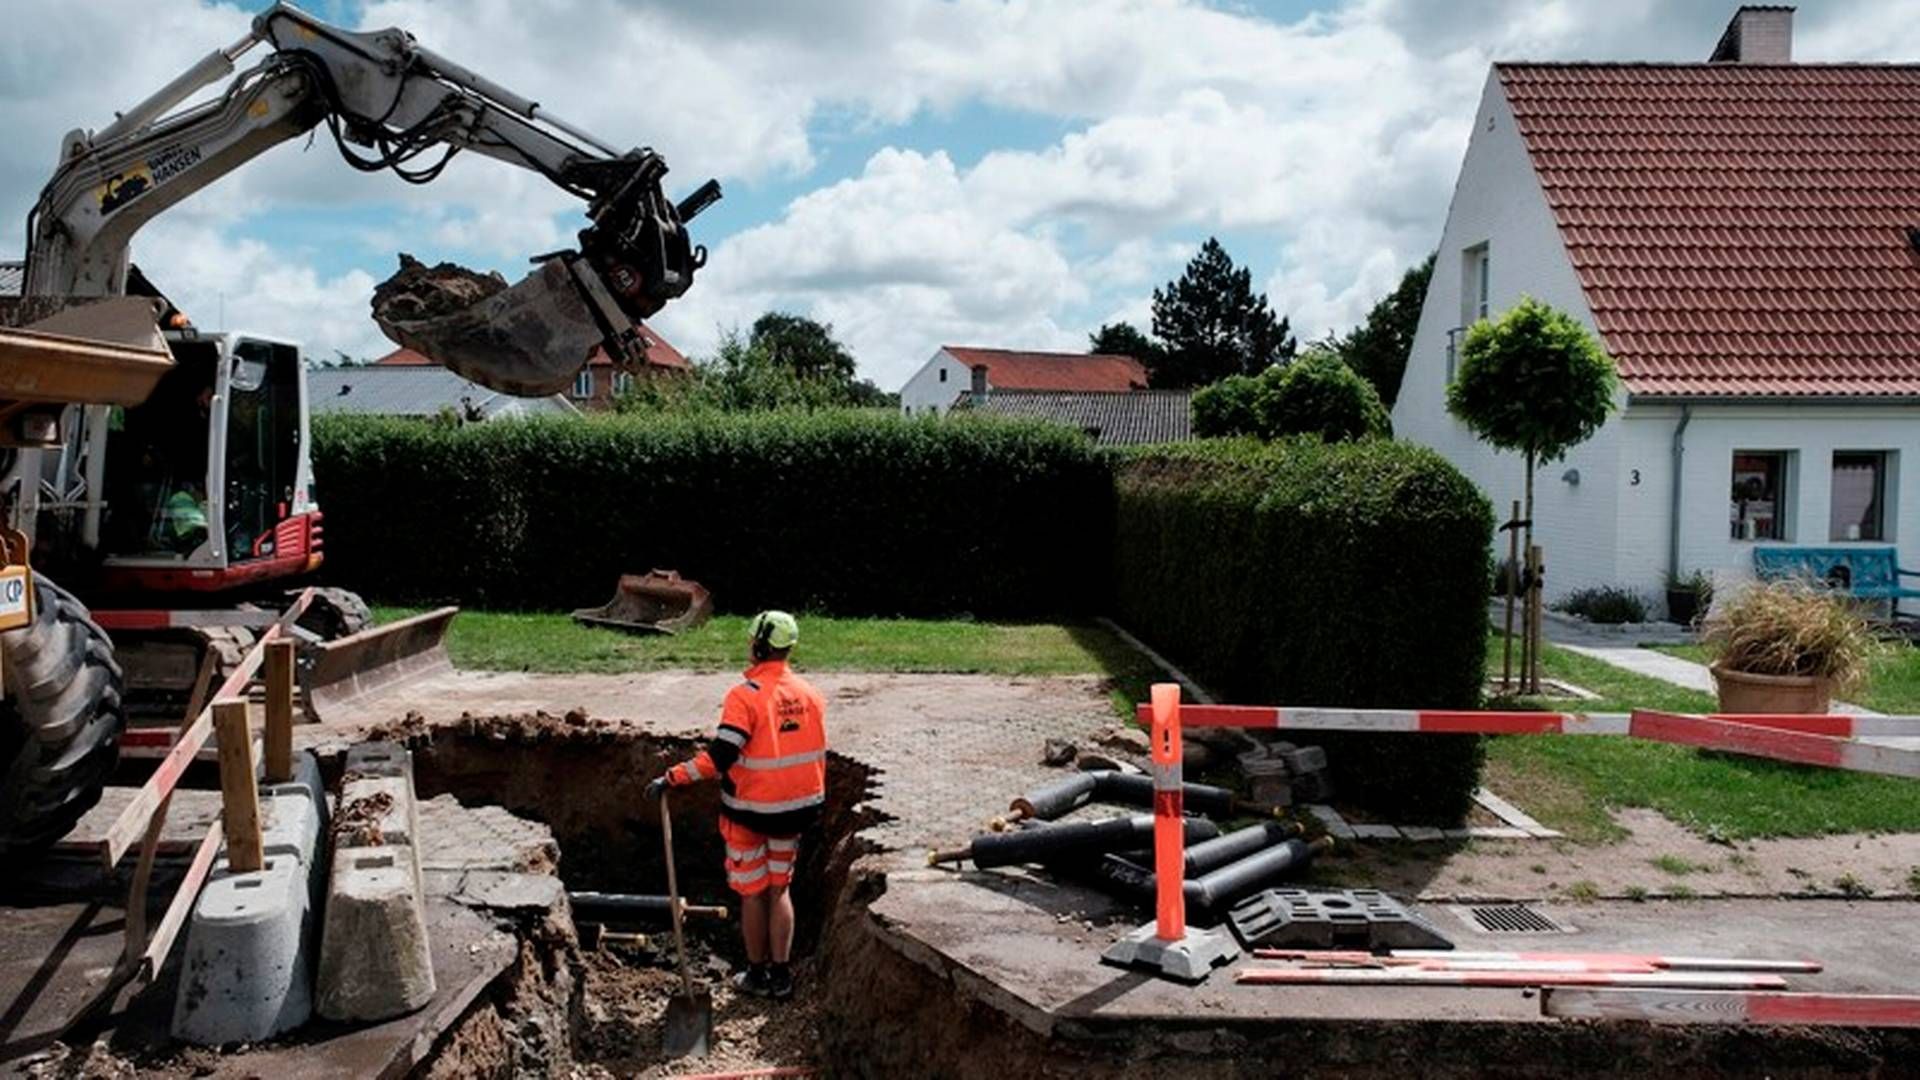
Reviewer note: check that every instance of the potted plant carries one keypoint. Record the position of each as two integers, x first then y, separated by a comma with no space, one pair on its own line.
1688,596
1786,647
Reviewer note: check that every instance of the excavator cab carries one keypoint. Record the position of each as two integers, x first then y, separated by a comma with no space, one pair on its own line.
208,483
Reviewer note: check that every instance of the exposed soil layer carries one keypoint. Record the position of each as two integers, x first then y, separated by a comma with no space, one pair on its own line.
418,292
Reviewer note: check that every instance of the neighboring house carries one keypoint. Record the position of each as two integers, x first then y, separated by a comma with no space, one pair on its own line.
1109,417
599,383
419,390
1744,236
949,373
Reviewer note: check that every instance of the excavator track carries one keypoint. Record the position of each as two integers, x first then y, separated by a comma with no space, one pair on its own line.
163,668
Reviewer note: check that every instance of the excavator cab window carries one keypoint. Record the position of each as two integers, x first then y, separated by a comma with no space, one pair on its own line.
157,460
263,444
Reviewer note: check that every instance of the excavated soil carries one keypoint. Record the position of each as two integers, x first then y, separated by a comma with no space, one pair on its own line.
583,778
418,292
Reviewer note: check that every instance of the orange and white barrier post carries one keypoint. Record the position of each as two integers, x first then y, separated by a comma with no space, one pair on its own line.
1167,945
1169,835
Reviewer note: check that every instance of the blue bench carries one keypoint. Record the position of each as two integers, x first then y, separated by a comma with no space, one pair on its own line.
1869,573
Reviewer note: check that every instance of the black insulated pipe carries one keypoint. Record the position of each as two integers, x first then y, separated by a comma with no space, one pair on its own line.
1136,789
1221,886
1221,850
1070,840
1056,799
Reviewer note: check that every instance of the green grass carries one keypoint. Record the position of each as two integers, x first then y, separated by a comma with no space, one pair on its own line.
547,642
1893,678
1570,781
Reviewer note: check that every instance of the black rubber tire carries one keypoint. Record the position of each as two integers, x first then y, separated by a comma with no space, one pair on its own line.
60,721
335,613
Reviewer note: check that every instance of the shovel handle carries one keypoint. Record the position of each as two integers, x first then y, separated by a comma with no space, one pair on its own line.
673,897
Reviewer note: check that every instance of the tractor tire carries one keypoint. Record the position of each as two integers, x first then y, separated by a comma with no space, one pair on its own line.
60,720
335,613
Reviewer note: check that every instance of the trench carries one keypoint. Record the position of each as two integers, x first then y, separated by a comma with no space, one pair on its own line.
584,780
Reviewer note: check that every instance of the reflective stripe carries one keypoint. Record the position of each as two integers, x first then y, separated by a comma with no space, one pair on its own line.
1166,777
748,855
752,875
739,803
791,843
731,735
779,867
692,769
781,762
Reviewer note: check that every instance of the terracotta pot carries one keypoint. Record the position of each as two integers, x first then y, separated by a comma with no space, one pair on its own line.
1743,692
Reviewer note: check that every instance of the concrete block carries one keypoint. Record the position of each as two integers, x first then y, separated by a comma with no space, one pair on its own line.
245,974
1305,759
375,960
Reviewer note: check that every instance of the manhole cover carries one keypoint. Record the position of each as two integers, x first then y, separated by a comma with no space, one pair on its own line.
1509,919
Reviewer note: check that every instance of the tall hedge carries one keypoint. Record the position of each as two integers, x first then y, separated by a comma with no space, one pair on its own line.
855,513
1299,573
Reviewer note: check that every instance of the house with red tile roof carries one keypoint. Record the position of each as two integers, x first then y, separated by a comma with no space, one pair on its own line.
595,388
949,374
1743,235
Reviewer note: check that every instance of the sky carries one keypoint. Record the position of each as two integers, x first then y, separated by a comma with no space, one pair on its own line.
917,173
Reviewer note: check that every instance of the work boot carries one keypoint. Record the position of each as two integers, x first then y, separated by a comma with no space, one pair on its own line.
754,981
780,982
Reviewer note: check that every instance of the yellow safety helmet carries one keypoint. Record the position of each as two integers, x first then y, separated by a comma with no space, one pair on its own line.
774,629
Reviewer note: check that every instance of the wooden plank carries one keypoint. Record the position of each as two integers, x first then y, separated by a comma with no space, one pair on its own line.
279,734
1511,814
169,925
132,823
1707,1007
239,789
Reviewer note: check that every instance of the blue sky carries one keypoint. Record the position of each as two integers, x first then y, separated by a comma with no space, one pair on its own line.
916,172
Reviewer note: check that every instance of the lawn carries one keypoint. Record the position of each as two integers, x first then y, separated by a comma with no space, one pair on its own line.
1893,683
1568,782
515,641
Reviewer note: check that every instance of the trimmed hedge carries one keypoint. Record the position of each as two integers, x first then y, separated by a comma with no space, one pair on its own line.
854,513
1307,574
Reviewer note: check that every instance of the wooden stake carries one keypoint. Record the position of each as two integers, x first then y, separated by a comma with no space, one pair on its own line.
1539,562
1513,582
279,736
239,791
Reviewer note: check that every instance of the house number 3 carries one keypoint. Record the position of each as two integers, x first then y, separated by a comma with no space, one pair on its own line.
1634,480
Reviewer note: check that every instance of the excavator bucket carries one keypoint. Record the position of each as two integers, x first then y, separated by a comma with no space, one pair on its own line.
341,673
97,351
529,340
661,602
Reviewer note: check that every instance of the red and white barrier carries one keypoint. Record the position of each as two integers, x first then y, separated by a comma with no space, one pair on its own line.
1715,980
1805,740
1707,1007
1596,961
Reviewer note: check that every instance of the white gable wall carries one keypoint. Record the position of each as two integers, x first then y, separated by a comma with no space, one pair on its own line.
925,392
1498,202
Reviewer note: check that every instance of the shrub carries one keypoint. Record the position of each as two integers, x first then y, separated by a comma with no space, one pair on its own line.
1327,574
1317,394
855,513
1791,628
1608,605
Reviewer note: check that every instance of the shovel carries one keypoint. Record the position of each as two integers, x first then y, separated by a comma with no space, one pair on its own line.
689,1026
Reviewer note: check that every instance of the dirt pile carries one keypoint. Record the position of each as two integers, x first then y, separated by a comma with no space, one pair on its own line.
417,292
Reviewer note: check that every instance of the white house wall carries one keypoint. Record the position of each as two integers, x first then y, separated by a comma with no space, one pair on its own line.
1497,201
1812,432
925,392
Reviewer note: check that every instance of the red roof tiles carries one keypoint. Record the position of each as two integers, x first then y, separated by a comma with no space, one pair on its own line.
1008,369
1739,229
660,353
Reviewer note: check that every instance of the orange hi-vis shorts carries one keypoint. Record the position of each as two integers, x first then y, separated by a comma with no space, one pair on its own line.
755,860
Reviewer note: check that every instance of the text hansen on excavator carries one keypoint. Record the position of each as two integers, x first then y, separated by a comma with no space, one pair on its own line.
163,473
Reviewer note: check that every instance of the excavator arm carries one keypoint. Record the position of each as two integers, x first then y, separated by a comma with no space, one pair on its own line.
389,103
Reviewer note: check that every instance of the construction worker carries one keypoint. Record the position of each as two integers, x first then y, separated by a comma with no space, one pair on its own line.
185,516
769,755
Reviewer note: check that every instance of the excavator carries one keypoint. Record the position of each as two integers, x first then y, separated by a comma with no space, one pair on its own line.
162,473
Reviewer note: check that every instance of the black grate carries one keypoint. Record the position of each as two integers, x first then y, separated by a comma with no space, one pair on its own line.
1513,919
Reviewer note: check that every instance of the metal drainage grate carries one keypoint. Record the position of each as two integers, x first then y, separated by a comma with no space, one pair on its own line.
1510,919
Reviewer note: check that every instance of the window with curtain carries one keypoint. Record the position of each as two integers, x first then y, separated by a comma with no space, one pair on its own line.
1859,496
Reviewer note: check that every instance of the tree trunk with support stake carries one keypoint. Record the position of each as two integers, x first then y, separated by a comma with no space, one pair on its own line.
1512,586
1530,654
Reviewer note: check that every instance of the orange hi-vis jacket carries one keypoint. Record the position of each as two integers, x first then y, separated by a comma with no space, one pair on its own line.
770,752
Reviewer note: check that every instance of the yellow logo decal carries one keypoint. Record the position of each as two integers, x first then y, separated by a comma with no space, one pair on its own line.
124,188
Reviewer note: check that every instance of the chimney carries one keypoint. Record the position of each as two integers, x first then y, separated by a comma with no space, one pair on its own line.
979,392
1758,34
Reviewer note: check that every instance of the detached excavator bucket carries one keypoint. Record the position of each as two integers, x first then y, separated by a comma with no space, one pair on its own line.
529,340
661,602
341,673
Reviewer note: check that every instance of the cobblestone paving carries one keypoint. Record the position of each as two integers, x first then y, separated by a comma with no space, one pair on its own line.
456,837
